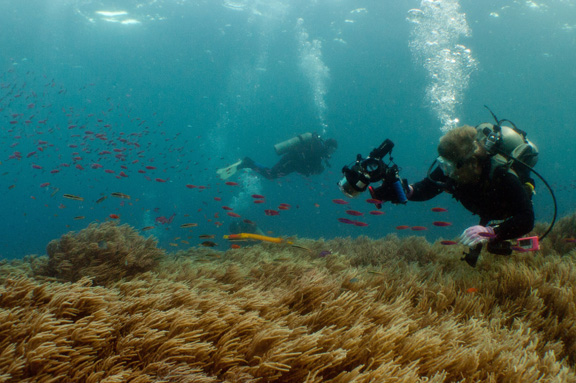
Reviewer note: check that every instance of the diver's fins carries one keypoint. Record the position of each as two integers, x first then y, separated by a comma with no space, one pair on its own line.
229,171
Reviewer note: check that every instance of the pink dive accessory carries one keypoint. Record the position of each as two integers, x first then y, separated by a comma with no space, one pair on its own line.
528,244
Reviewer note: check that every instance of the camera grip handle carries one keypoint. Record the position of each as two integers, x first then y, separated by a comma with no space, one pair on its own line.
399,190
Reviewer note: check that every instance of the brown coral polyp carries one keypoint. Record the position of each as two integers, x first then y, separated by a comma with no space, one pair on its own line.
393,309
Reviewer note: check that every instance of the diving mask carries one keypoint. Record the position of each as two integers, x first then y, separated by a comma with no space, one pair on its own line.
448,167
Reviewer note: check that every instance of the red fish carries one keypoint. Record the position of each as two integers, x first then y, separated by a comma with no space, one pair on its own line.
150,167
354,213
346,221
217,199
232,214
114,216
374,201
165,220
402,227
189,186
360,224
227,208
259,201
418,228
231,183
340,202
439,209
441,223
448,243
271,212
257,196
376,212
159,180
283,207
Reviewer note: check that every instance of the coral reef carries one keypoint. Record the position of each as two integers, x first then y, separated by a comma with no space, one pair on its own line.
342,310
104,252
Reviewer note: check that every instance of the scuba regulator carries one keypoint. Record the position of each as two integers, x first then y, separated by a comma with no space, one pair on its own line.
365,171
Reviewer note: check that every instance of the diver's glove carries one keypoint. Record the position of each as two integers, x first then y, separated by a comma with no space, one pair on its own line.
387,192
477,234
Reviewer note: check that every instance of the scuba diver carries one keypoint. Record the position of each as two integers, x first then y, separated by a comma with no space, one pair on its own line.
302,154
486,168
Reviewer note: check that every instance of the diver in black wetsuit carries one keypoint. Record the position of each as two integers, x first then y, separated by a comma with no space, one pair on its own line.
302,154
483,185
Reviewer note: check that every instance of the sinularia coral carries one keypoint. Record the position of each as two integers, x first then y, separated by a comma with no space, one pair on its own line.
103,252
269,313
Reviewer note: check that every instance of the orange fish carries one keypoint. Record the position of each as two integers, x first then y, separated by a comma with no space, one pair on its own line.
114,216
472,290
235,246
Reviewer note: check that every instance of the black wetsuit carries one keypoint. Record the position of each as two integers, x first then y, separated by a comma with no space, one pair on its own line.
305,159
498,197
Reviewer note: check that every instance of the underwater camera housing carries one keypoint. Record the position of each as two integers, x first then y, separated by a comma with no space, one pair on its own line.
365,171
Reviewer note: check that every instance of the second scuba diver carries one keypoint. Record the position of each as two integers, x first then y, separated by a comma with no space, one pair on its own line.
303,154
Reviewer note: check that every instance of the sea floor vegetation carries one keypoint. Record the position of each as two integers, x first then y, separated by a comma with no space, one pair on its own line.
106,305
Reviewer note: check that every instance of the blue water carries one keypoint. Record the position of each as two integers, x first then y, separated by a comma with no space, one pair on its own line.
192,86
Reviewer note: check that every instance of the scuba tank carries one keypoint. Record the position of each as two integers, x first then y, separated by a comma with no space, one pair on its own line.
286,146
510,147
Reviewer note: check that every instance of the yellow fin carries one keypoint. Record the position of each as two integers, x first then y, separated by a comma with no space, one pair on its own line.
229,171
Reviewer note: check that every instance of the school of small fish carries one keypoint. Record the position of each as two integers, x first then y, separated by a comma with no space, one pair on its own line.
111,152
